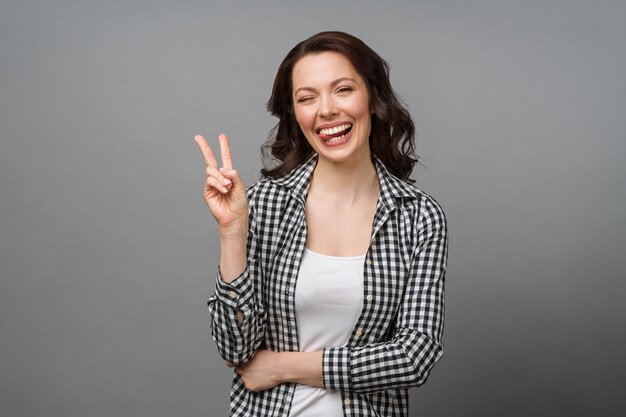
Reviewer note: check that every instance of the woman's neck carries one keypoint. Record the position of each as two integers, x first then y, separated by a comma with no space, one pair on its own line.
351,180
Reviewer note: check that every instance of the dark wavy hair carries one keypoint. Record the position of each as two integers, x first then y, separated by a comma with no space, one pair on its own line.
392,134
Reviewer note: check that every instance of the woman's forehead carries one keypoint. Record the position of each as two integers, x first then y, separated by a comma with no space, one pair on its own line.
322,68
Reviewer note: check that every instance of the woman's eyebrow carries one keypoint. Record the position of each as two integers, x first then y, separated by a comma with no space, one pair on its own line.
332,84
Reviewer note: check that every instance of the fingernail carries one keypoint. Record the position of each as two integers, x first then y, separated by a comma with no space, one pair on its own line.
226,181
224,190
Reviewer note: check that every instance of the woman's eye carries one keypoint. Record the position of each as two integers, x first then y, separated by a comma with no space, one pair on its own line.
303,99
344,90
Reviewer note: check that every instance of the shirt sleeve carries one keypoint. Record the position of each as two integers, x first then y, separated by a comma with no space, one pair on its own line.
406,359
236,342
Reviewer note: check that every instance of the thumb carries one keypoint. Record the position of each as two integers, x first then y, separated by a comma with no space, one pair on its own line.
233,176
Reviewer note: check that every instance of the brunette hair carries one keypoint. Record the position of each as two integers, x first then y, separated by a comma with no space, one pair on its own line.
392,132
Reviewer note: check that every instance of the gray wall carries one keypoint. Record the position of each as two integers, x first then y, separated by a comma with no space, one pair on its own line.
108,253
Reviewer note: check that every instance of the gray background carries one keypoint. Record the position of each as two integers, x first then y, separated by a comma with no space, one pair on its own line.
108,253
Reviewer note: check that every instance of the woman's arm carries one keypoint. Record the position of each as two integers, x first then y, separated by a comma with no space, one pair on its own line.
268,369
406,359
237,317
233,262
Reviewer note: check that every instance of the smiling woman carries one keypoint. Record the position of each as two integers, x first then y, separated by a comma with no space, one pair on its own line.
332,108
329,294
392,131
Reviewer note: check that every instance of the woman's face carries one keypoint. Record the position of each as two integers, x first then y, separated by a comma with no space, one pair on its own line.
332,107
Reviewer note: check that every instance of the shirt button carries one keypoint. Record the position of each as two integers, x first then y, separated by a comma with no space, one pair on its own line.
358,332
232,294
369,297
368,262
347,401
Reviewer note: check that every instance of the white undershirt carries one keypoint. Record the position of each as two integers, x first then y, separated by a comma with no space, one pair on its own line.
329,300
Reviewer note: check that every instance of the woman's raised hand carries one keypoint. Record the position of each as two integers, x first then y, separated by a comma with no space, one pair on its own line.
224,192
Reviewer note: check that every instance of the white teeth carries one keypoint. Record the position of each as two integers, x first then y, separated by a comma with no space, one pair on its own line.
336,129
334,140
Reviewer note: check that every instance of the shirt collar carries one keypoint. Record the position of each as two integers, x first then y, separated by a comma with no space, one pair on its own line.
391,187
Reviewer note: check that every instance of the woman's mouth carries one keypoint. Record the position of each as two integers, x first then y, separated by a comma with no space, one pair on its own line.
335,135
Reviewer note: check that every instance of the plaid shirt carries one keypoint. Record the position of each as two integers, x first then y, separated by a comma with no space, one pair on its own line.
397,338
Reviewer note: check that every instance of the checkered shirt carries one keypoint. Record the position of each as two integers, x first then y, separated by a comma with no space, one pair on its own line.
397,338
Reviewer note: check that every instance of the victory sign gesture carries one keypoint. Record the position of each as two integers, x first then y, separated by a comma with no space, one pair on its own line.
224,192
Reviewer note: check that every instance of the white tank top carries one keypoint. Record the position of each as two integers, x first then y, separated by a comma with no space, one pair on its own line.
329,300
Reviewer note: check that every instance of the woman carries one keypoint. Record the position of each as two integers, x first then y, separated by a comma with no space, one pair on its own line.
329,293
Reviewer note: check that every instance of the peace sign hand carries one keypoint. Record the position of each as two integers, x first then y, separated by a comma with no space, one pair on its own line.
224,192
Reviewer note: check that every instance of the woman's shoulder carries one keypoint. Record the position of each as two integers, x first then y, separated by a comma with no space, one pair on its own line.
426,200
266,190
425,209
407,194
294,183
255,188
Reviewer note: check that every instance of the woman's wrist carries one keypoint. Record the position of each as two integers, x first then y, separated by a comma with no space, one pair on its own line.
235,233
300,367
282,369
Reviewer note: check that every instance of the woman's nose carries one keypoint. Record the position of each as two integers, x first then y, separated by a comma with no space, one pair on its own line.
328,107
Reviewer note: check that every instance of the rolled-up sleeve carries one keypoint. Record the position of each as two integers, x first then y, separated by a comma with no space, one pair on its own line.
407,358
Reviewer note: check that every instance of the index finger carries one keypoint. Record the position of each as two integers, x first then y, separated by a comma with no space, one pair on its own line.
227,160
209,158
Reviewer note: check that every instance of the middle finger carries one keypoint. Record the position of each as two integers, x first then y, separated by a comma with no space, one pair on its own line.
227,159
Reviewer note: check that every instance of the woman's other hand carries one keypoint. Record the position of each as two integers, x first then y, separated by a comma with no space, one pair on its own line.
262,372
268,369
224,192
